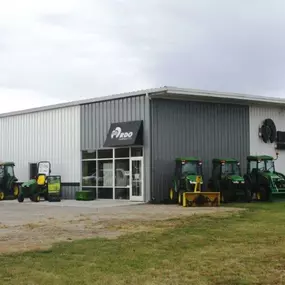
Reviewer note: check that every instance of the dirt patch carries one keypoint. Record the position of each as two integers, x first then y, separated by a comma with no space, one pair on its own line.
33,227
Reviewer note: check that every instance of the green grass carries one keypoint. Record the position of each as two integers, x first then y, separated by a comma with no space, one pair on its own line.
244,248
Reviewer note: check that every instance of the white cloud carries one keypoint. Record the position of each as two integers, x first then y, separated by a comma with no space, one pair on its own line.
67,50
21,99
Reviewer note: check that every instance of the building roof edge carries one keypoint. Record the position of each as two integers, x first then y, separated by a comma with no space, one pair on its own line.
167,91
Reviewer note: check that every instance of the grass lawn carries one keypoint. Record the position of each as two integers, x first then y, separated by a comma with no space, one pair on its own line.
244,248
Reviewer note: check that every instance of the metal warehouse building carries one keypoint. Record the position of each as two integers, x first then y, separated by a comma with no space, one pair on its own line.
124,146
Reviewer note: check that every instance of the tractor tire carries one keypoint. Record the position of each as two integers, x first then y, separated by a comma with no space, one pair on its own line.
16,191
210,186
225,197
54,199
2,195
173,197
20,198
221,197
263,193
180,198
36,198
248,196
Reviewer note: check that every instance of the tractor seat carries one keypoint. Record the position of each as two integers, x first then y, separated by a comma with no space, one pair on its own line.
41,179
254,170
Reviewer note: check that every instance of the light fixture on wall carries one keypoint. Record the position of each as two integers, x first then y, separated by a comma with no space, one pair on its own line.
280,141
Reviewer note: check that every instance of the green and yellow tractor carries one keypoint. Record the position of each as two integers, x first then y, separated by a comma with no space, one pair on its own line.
9,186
43,185
265,183
188,183
227,179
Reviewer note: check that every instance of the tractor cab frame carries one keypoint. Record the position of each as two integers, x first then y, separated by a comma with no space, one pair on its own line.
42,185
186,171
227,179
8,181
262,178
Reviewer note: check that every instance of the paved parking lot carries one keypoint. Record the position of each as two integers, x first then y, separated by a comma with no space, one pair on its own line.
29,225
14,213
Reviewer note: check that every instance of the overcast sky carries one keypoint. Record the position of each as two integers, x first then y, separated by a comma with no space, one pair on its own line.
62,50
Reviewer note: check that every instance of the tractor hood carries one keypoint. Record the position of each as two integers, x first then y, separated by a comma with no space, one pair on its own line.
277,180
235,178
271,175
29,183
192,178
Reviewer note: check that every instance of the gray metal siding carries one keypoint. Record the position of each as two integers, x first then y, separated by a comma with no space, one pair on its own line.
68,191
96,119
205,130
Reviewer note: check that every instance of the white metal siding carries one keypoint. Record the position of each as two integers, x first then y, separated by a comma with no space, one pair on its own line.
256,116
52,135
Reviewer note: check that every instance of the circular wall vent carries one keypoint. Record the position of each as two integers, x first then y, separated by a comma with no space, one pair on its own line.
268,131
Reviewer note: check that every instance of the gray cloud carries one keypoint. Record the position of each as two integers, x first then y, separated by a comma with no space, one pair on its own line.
66,50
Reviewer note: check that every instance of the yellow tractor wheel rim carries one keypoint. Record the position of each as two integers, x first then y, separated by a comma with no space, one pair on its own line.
258,196
179,198
171,194
38,198
1,195
16,190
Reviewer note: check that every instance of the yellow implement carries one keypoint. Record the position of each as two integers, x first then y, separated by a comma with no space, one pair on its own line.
199,198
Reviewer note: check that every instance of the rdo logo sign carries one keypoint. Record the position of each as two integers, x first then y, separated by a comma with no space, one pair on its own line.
117,133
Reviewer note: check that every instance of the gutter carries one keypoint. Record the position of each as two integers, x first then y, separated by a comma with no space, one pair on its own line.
149,128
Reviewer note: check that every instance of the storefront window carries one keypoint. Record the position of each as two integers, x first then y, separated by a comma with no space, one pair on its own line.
122,193
105,193
105,173
89,154
89,176
105,153
122,152
122,178
136,151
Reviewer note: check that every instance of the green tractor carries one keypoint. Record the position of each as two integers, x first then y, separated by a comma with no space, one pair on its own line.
263,180
186,171
9,186
227,179
188,179
43,185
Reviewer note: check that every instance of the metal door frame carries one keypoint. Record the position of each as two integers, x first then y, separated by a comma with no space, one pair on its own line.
137,198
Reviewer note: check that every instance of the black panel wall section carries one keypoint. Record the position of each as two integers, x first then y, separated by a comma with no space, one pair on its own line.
206,130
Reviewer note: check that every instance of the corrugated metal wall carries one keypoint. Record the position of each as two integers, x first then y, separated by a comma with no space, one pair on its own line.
96,119
68,191
256,116
52,135
190,128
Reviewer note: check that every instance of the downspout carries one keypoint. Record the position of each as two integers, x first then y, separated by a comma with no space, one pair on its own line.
149,142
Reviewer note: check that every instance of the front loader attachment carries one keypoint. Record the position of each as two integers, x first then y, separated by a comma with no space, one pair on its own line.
201,199
277,196
197,198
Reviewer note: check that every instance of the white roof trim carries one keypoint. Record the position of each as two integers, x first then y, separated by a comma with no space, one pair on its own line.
225,95
85,101
166,92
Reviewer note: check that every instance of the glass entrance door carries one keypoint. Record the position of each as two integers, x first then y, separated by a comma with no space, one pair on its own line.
136,179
